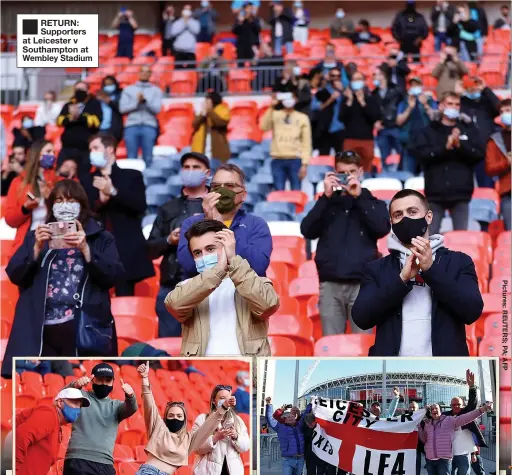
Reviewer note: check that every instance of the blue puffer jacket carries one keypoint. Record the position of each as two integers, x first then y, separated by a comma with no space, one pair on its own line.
291,439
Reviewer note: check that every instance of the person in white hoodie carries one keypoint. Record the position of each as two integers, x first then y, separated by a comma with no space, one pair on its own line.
420,296
220,453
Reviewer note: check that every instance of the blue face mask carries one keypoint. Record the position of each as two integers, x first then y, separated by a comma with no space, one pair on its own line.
97,159
415,90
376,82
109,88
357,85
206,262
205,4
451,113
473,95
70,413
27,123
192,178
506,118
46,161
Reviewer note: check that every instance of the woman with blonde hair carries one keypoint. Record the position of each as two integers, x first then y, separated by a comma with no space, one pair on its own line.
220,453
25,205
169,443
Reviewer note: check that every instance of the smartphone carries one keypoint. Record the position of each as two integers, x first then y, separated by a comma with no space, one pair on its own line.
58,231
228,425
122,9
342,178
30,195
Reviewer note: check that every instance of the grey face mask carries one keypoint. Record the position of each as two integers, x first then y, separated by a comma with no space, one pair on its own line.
66,211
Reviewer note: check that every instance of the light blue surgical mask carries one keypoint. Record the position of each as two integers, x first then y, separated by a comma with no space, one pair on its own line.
376,82
473,95
297,4
451,113
98,159
27,123
506,118
415,90
70,413
206,262
192,178
109,88
205,3
357,85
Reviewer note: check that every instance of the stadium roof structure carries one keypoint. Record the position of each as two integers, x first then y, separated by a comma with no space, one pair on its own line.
391,378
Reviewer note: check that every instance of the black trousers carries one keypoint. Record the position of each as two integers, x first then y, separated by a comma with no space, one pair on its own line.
125,288
408,47
60,339
167,47
190,57
327,141
225,469
85,467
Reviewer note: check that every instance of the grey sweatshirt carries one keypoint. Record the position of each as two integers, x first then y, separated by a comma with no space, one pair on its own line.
141,113
94,433
185,34
417,305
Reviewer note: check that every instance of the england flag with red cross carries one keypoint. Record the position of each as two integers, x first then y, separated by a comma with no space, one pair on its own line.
349,437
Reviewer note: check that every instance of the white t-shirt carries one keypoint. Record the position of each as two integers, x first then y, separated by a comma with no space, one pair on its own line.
38,215
223,321
463,443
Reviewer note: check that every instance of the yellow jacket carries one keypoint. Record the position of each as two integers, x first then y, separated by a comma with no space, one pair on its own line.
290,138
216,121
255,301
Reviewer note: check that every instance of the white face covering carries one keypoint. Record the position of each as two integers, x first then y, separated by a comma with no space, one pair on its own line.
66,211
289,103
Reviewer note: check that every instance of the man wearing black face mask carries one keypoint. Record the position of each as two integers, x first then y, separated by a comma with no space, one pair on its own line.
81,117
90,450
421,296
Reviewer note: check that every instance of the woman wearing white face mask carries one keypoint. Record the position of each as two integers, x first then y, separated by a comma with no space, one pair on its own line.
64,303
220,453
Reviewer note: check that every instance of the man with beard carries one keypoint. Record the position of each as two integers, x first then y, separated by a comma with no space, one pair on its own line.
91,447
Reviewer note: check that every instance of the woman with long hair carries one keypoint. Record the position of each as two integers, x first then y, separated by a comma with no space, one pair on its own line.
25,208
169,443
220,453
64,304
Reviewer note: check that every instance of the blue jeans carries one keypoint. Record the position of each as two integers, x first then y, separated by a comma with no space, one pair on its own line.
461,464
478,466
505,211
140,136
278,46
439,40
146,469
292,465
387,140
439,467
286,168
168,326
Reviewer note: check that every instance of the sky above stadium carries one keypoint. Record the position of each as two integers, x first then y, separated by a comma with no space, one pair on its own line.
332,369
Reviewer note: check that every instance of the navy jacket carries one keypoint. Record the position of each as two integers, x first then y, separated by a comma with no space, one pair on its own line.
456,302
242,401
122,216
291,439
348,229
31,276
253,242
472,426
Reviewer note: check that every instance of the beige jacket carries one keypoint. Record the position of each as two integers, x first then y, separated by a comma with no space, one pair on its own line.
291,138
170,448
255,301
447,74
211,456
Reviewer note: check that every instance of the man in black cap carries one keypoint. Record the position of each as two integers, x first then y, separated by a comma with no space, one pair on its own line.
91,447
164,237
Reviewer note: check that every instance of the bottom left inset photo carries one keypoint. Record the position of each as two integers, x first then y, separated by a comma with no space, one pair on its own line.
130,417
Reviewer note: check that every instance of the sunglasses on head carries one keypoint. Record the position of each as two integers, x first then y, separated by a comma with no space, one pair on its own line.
222,387
176,403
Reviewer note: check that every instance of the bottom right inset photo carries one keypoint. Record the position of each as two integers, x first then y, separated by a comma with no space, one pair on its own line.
378,416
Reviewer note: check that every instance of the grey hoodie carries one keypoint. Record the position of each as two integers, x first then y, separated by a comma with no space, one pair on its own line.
141,113
417,305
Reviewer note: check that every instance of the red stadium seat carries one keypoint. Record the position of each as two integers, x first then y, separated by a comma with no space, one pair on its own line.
492,304
53,378
128,468
493,325
31,378
133,306
322,160
303,289
239,80
132,437
284,264
385,195
288,305
298,198
134,328
282,346
170,345
313,313
496,285
344,345
147,287
291,242
504,239
183,83
5,327
297,329
455,239
122,453
489,346
308,270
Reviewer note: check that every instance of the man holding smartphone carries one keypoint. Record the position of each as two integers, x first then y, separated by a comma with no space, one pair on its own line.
348,220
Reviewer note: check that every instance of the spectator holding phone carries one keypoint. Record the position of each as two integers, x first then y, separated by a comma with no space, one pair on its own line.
438,434
13,168
165,234
64,304
125,22
227,296
25,208
345,209
220,452
169,442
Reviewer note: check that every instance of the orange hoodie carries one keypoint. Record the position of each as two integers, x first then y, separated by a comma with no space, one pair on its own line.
496,161
38,437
